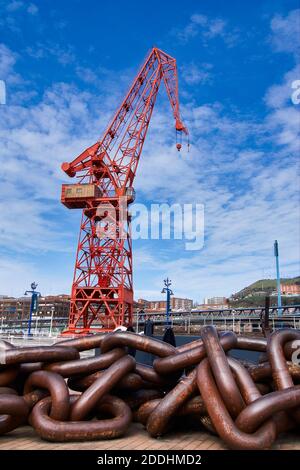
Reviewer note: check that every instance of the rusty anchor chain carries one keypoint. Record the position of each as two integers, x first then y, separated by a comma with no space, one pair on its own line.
68,398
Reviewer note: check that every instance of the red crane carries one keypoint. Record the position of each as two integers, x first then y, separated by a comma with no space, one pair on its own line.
102,290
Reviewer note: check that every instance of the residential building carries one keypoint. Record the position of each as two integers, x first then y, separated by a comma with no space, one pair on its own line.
19,308
176,303
290,289
215,301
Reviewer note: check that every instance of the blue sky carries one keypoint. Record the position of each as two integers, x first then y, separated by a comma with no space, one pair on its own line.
67,65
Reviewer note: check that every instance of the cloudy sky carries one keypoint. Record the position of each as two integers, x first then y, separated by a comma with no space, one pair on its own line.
67,65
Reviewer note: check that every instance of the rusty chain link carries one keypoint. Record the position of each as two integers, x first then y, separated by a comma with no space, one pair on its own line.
247,405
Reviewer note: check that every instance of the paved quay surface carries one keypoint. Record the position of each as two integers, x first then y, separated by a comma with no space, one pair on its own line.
25,438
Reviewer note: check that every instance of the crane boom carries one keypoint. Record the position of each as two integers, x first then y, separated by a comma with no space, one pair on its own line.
102,290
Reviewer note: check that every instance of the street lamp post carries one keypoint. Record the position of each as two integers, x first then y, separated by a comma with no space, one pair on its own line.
168,291
276,253
33,304
51,321
36,324
139,313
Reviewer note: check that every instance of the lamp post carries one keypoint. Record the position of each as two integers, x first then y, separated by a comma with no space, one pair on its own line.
168,291
141,313
51,321
36,324
276,254
33,304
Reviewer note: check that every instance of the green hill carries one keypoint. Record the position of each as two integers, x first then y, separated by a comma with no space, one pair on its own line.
255,293
271,283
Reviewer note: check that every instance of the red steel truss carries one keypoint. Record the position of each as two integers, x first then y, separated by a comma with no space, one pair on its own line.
102,290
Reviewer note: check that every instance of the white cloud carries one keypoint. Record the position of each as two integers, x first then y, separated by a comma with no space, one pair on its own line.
284,125
17,272
32,9
87,75
207,28
35,140
283,122
192,28
13,11
247,175
281,94
198,19
64,55
14,6
194,74
7,61
12,273
286,31
215,28
244,172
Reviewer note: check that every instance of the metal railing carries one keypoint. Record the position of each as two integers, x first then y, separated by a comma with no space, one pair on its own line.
225,313
235,319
